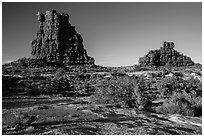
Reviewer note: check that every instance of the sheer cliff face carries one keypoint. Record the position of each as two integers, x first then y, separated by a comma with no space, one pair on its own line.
57,41
165,56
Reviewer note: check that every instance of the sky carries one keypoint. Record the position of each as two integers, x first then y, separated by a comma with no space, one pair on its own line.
115,34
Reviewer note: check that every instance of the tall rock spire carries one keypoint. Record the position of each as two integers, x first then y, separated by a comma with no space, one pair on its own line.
57,41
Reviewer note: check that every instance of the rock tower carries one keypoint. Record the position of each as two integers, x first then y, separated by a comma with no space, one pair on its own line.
57,41
165,56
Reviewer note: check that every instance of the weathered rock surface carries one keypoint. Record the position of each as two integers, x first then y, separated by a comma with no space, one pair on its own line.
57,41
165,56
76,116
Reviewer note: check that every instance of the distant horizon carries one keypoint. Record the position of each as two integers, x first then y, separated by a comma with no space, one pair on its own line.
9,61
114,34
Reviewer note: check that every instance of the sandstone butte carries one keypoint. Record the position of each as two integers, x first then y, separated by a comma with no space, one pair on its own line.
165,56
57,41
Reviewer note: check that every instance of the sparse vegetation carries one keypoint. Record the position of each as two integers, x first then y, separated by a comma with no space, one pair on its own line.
122,91
184,97
110,89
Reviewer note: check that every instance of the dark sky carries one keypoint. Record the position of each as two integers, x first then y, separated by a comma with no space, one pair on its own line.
115,34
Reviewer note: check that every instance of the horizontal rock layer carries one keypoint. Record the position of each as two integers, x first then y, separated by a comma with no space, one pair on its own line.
165,56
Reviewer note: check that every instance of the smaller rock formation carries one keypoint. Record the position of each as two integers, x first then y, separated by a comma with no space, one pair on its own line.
165,56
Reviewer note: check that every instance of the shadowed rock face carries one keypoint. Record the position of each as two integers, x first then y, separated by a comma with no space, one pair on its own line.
57,41
165,56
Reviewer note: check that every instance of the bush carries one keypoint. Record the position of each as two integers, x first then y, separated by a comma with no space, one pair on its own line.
59,74
176,105
60,86
194,84
57,85
178,74
122,91
185,99
170,85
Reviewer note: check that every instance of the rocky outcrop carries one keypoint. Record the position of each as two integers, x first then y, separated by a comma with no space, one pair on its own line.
165,56
57,41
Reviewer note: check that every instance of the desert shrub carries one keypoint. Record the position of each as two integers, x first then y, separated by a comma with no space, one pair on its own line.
169,85
178,74
83,76
59,74
59,84
194,84
177,104
141,99
122,91
185,99
117,73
